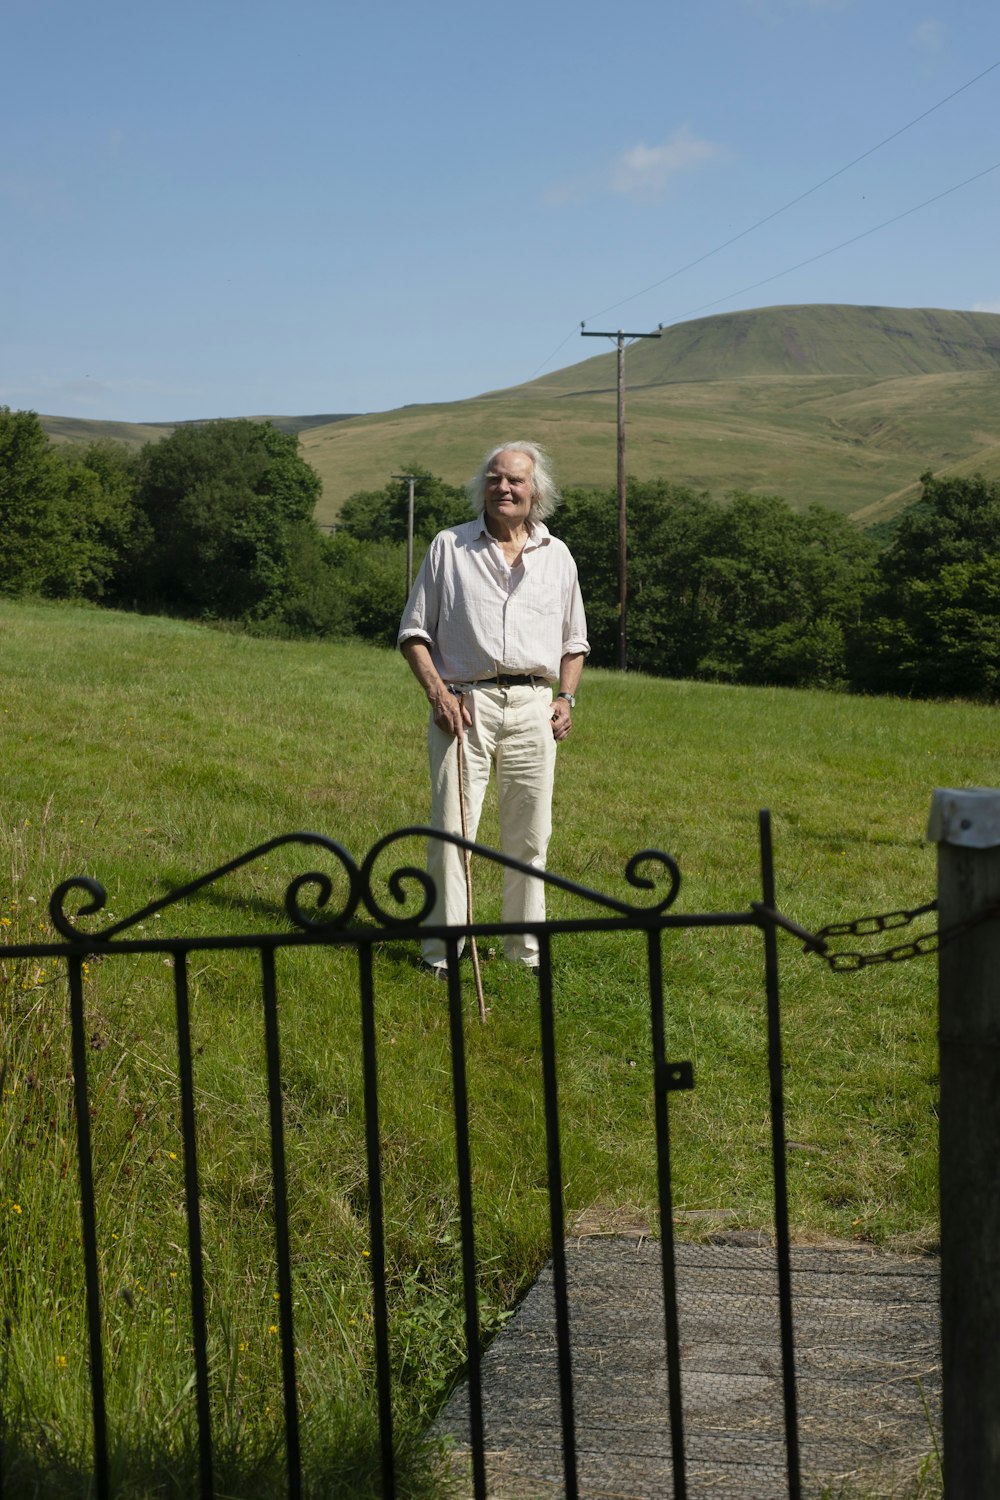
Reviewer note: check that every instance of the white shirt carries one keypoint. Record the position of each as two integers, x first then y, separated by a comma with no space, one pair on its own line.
479,616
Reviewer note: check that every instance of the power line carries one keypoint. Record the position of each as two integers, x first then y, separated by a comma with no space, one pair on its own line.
844,243
793,201
783,209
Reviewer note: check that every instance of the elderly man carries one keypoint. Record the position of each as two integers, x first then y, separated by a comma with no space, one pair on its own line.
495,620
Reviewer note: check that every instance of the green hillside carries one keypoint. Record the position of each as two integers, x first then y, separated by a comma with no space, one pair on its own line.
134,434
840,406
871,342
986,462
836,405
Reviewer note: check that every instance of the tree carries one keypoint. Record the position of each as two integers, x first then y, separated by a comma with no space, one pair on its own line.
222,501
783,589
935,627
32,504
101,519
742,592
382,515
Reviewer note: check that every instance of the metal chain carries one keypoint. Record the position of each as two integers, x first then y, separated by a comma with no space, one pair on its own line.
847,960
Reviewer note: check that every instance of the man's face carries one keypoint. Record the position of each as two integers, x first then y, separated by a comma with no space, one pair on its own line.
510,488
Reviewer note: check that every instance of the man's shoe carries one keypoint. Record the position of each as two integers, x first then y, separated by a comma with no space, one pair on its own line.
435,971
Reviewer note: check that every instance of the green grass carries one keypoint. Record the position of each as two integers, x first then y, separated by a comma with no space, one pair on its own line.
144,752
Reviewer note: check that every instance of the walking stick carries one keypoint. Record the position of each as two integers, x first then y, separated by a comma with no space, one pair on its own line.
468,884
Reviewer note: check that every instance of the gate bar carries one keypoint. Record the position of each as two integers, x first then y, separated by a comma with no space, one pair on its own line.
463,1162
283,1254
668,1265
192,1203
88,1214
778,1157
556,1215
380,1313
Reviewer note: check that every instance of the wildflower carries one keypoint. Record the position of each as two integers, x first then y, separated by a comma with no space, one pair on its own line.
15,1208
273,1328
60,1361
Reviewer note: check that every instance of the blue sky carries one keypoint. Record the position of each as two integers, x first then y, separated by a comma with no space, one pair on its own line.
223,209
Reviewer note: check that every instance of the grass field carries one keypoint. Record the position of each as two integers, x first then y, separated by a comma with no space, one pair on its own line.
144,751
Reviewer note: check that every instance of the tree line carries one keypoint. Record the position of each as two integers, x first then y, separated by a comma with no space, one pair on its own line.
215,522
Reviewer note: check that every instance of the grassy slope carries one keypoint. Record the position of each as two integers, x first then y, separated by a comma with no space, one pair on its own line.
986,462
134,434
156,749
840,406
144,751
831,405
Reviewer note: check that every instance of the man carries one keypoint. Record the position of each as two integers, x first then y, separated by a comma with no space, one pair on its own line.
495,620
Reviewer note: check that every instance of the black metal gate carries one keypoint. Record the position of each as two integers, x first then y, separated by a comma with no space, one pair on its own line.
363,924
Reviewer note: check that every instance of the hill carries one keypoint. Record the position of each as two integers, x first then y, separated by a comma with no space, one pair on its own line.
986,462
840,406
134,434
871,342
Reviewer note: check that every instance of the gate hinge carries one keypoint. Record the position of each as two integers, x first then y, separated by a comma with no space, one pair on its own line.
673,1075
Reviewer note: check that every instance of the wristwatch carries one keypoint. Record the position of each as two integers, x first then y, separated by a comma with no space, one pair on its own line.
570,698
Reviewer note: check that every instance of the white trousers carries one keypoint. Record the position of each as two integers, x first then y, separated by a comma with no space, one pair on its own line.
511,729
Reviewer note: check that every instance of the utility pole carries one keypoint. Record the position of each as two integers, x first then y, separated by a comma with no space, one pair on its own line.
409,532
620,338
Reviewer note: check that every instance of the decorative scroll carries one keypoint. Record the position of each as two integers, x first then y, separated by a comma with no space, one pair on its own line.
404,883
317,879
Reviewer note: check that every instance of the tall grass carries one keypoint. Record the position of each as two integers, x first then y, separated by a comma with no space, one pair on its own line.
144,752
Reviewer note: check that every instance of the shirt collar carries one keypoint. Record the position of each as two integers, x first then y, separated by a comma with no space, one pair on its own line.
540,533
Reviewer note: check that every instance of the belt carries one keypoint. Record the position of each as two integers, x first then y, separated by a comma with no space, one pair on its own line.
506,679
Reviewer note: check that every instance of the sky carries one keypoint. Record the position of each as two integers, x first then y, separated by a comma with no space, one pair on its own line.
231,208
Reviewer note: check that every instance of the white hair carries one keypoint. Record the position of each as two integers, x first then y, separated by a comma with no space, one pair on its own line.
545,495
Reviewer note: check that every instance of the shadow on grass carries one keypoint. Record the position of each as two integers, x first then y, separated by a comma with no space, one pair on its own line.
348,1468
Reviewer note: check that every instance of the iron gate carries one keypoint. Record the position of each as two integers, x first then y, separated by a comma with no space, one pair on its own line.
362,924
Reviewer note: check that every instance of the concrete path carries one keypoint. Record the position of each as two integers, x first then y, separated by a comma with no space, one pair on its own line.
867,1358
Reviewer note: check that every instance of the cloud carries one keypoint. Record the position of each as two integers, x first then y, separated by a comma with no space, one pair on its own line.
640,171
928,37
644,171
993,307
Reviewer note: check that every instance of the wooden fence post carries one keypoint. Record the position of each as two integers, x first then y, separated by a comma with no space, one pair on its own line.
966,827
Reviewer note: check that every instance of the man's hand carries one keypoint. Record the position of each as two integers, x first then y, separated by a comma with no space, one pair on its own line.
562,719
450,710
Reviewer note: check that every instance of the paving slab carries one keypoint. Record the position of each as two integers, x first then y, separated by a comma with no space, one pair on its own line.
867,1360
